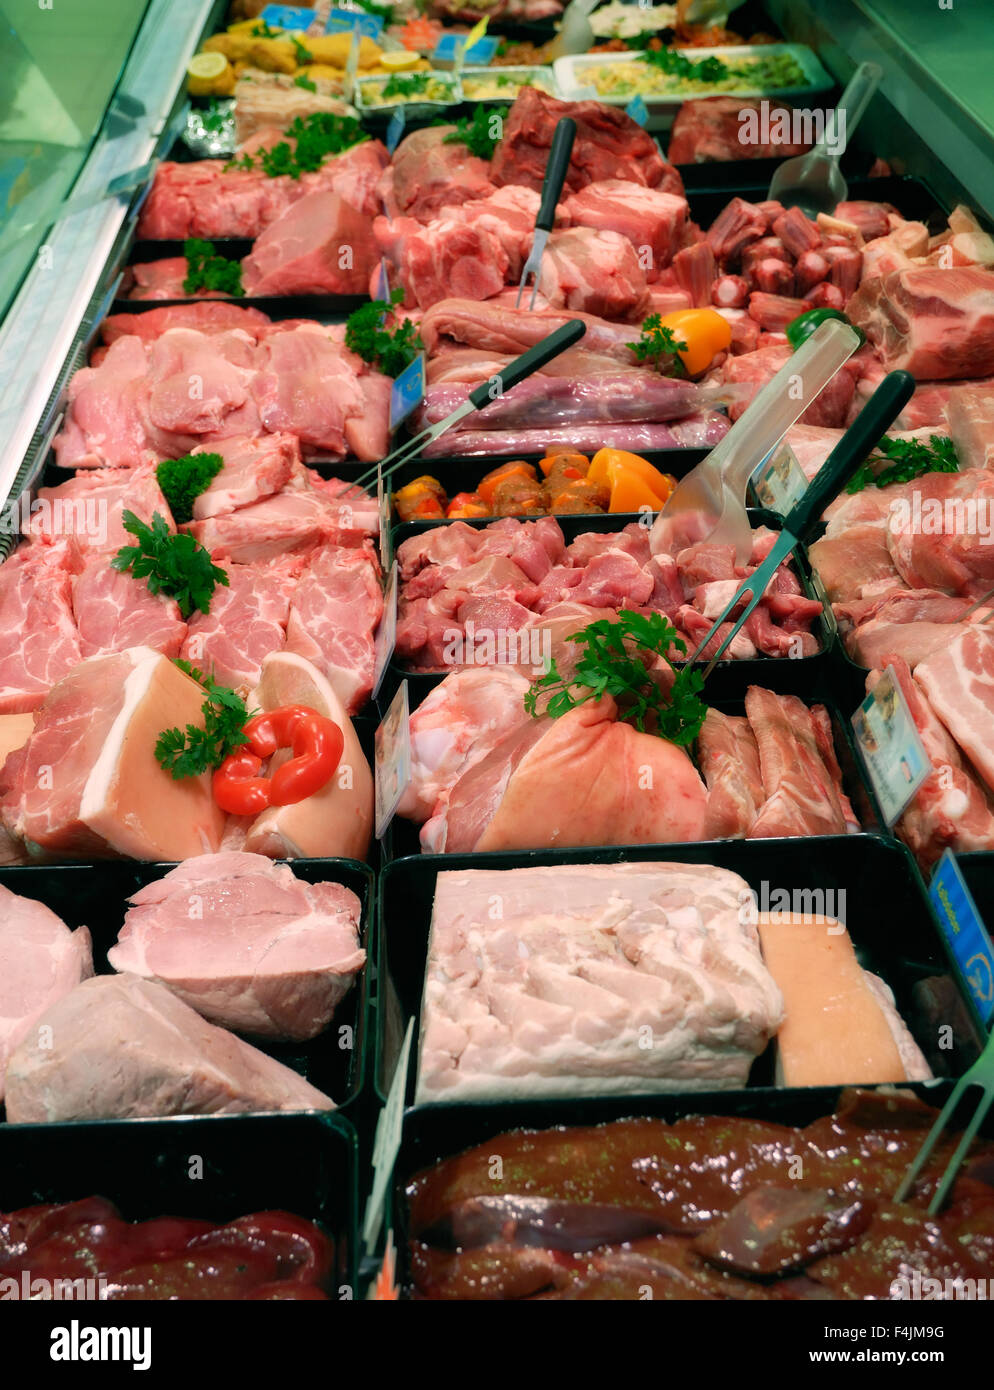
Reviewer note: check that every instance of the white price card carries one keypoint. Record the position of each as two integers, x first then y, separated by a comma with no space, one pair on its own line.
386,1145
392,759
891,746
779,482
386,633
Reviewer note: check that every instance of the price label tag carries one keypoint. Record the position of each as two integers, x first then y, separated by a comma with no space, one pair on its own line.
383,282
386,633
386,1145
395,129
891,746
819,591
408,391
352,63
965,932
779,482
638,110
383,511
296,17
392,759
477,53
370,26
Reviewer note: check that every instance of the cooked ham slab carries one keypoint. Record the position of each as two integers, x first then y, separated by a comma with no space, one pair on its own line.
40,961
592,979
123,1048
245,943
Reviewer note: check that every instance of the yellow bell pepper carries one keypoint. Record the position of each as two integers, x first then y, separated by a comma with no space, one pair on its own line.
704,331
629,493
607,464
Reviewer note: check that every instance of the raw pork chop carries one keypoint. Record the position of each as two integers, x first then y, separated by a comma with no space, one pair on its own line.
959,683
104,421
265,953
936,324
337,821
88,507
124,1048
98,728
40,961
429,173
254,466
295,521
320,245
246,623
207,317
38,639
557,996
596,272
114,611
334,615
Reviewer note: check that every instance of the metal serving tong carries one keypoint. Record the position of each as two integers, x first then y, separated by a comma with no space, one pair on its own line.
552,187
981,1074
488,391
712,495
874,420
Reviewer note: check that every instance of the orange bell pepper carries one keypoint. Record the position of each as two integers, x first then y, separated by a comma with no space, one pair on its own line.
629,493
487,486
704,331
607,464
556,455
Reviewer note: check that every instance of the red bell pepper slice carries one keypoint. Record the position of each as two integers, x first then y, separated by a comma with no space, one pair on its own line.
317,744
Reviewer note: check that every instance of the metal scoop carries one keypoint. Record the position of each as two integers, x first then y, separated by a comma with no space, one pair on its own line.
709,503
813,182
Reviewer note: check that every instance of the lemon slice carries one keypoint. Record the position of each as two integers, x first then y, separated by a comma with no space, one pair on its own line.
206,66
399,61
209,74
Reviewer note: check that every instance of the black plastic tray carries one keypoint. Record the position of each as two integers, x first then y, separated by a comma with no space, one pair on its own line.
94,896
305,1164
806,676
434,1133
887,913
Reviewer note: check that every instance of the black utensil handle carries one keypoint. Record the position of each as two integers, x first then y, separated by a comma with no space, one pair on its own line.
859,440
555,173
564,336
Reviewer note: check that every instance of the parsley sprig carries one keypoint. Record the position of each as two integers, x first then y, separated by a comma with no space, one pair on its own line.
182,481
194,750
478,134
171,564
315,137
658,347
906,459
206,270
369,334
609,667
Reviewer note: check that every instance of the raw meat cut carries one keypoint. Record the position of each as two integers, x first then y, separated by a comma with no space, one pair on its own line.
206,318
801,792
246,623
499,328
321,245
337,821
959,685
163,279
653,221
296,521
114,611
334,614
608,145
266,953
97,730
104,423
701,430
39,643
40,961
714,128
970,415
124,1048
447,256
936,324
428,173
595,272
541,402
88,508
729,762
253,467
556,996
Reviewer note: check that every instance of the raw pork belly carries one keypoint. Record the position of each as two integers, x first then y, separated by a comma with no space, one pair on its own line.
124,1048
557,994
265,953
959,684
40,961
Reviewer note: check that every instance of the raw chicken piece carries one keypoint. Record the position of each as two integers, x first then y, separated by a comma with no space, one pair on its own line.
265,953
123,1048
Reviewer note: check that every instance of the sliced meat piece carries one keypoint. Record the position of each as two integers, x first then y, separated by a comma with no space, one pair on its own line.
335,611
39,643
729,761
801,797
114,611
246,623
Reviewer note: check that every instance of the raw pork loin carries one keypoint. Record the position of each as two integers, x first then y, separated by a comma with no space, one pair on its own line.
124,1048
40,961
263,953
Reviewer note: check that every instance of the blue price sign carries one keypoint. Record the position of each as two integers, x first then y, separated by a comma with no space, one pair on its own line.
344,21
481,53
408,391
395,129
638,110
965,933
287,16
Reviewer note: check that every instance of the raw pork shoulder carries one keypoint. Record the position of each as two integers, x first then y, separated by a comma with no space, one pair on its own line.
245,943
